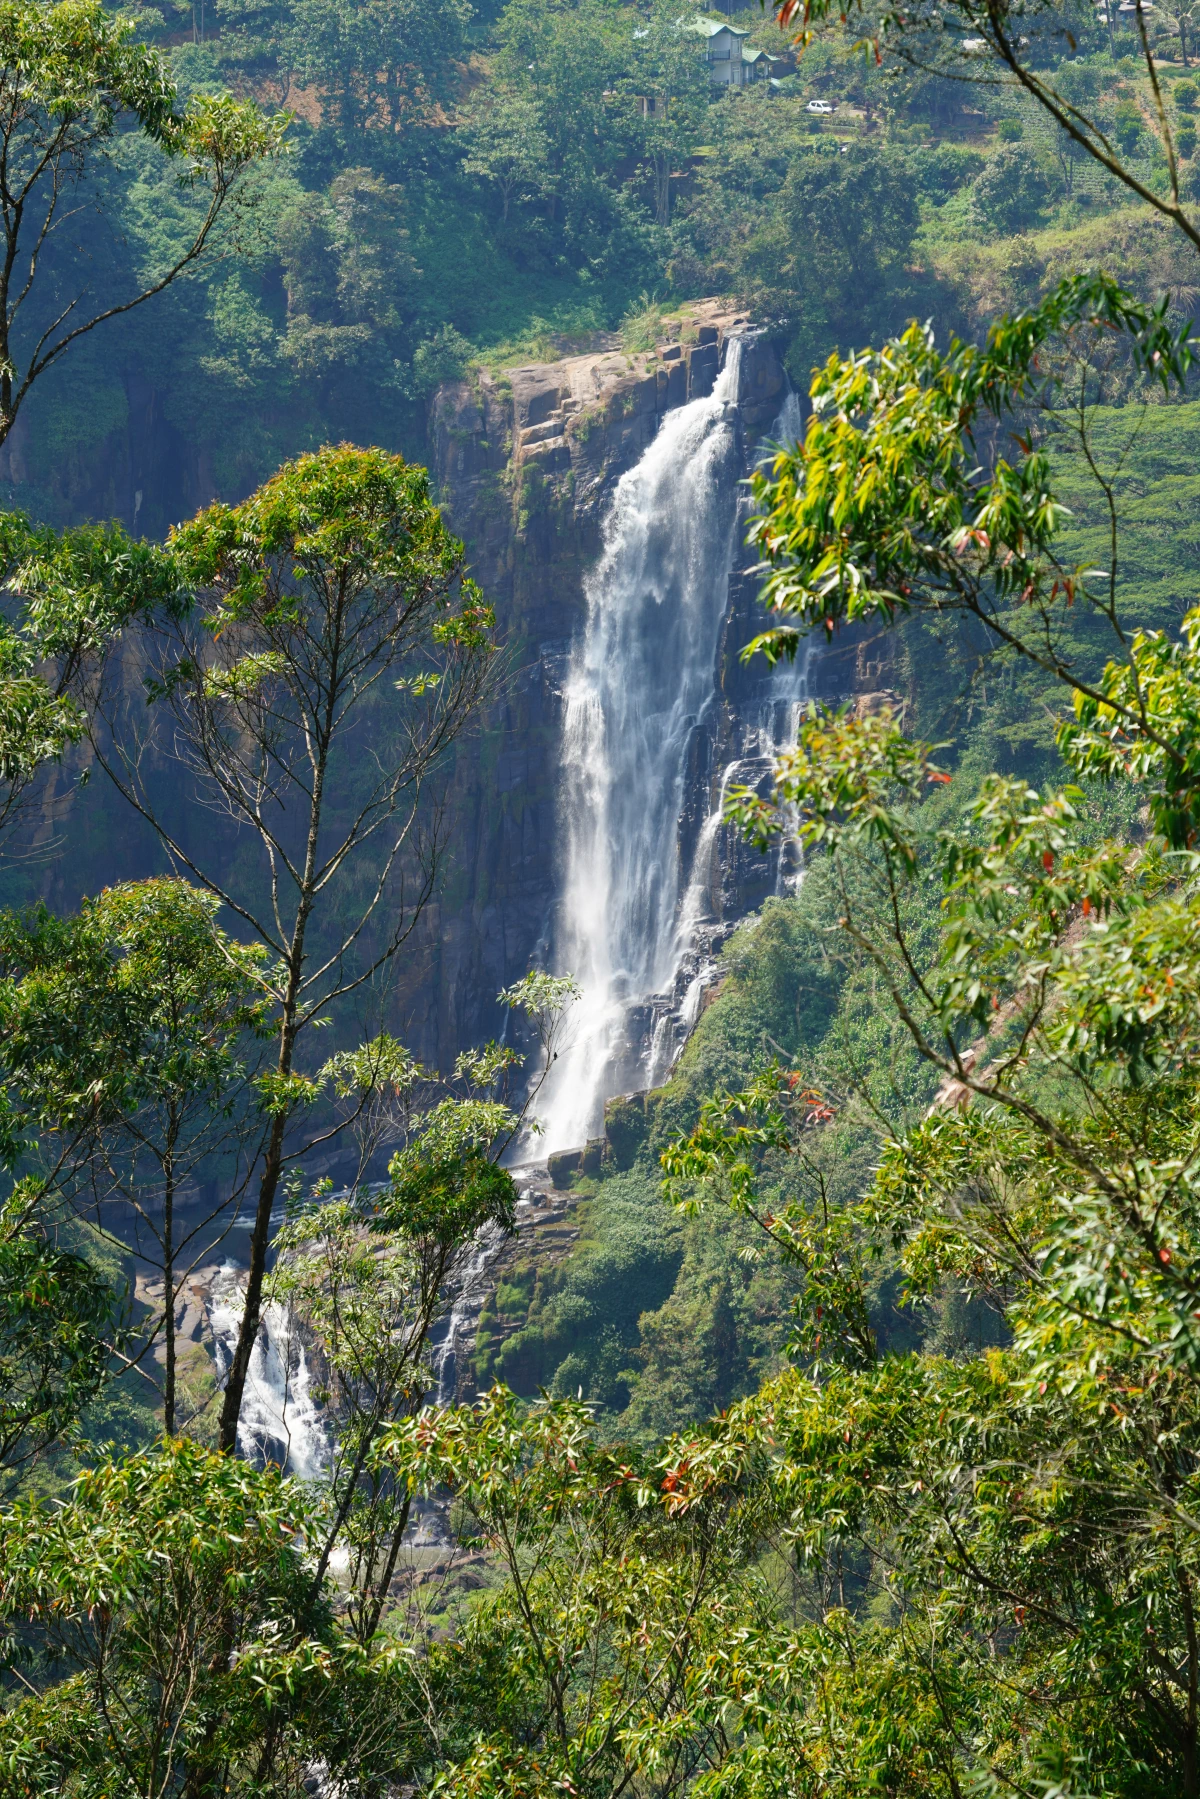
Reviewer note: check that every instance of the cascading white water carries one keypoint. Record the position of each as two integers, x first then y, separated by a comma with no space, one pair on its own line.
771,728
788,693
280,1420
470,1288
639,684
642,679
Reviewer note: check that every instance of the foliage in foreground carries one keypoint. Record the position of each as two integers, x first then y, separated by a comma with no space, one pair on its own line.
1029,1511
917,1573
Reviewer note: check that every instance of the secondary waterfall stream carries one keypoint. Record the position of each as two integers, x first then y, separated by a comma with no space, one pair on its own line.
642,679
281,1421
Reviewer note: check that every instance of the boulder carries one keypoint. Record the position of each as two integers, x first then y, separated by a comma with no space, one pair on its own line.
562,1165
626,1126
593,1155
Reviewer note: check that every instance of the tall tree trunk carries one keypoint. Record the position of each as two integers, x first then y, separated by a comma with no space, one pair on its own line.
268,1187
378,1599
260,1240
169,1298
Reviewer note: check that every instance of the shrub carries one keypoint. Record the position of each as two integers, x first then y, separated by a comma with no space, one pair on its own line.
1129,125
943,168
1185,96
642,325
445,356
1010,131
1012,190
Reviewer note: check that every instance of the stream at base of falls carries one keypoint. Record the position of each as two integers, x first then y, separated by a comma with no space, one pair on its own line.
282,1422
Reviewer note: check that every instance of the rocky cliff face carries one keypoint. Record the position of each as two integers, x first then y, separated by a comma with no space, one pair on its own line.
525,466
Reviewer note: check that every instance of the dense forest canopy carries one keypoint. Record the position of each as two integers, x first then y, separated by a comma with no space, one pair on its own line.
850,1444
515,143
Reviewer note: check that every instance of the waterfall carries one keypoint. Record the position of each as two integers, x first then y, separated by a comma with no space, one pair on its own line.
642,680
771,727
639,684
280,1419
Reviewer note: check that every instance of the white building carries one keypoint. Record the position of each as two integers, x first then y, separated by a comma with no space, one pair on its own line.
723,51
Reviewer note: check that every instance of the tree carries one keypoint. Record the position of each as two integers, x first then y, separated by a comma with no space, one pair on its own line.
368,1274
566,60
1011,190
58,1318
199,1007
101,580
74,83
1080,85
170,1596
860,208
348,273
1032,1498
506,145
593,1663
1182,14
385,62
257,43
122,1037
332,653
977,41
669,81
70,76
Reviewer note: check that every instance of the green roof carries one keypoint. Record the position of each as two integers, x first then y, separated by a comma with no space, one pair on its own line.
710,28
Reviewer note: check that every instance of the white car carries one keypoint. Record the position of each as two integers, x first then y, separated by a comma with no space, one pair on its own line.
820,106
